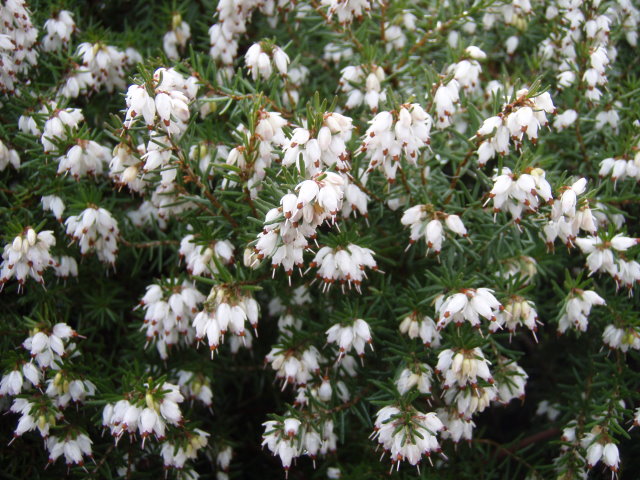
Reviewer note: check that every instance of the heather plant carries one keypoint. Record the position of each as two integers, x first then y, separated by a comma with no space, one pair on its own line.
319,239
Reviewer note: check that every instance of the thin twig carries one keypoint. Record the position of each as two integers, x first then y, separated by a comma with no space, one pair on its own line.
456,176
150,244
103,459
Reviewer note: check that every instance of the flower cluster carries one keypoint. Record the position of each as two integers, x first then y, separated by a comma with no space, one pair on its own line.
511,380
290,438
517,311
392,134
407,435
344,265
148,415
8,156
103,66
18,38
269,136
351,80
167,109
420,377
425,222
356,336
621,338
86,157
327,150
33,416
63,388
54,204
226,309
201,259
577,309
27,256
59,126
48,347
176,39
467,305
414,325
74,447
284,236
519,194
95,230
525,115
259,57
600,448
168,312
466,73
620,168
176,455
59,30
446,97
347,10
462,368
605,256
195,387
294,367
569,216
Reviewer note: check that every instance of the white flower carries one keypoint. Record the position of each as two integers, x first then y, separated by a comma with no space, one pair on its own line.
85,158
60,126
47,349
8,156
354,336
511,382
565,119
390,135
27,256
59,30
425,222
345,265
577,309
169,312
467,305
225,310
611,456
361,84
294,367
74,448
517,311
463,367
420,377
347,10
424,327
223,459
407,440
176,39
95,230
258,61
200,257
328,149
520,193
